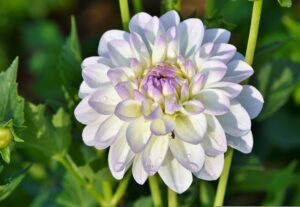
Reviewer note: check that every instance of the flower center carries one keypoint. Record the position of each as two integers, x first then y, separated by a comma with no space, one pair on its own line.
163,79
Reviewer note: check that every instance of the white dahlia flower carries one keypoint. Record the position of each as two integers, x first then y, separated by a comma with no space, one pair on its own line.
165,97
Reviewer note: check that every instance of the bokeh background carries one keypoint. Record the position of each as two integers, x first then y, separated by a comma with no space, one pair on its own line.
36,31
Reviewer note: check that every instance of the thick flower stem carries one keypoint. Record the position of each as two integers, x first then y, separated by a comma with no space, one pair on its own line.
155,191
254,27
219,199
68,163
172,198
137,6
121,189
124,9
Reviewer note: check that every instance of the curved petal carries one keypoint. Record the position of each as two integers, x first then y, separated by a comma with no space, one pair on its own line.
191,128
138,22
189,155
84,112
238,71
120,155
90,130
214,70
237,121
120,52
151,110
109,36
214,143
159,50
152,30
191,32
154,153
170,19
162,126
139,49
212,168
243,143
104,100
94,60
120,74
96,75
251,99
215,101
138,134
192,107
217,35
174,175
128,110
108,132
85,90
138,171
125,90
232,90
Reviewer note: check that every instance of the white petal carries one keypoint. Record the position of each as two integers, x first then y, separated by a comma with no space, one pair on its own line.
215,101
84,112
107,37
189,155
89,131
222,52
243,143
120,52
191,32
214,70
237,121
139,49
170,19
151,110
192,107
120,74
159,50
251,99
108,131
214,143
153,29
128,110
120,155
85,90
138,171
96,75
191,128
162,126
174,175
216,36
94,60
138,22
212,168
138,134
104,100
238,71
232,90
125,90
154,154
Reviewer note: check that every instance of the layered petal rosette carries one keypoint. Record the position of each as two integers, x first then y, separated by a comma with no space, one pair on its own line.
166,97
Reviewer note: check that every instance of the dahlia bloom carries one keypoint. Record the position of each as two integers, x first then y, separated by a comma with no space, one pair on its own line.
165,97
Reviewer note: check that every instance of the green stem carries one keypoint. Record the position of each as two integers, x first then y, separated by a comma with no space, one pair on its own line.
124,13
172,198
107,190
121,189
137,6
204,194
155,191
170,5
69,164
219,199
255,19
256,13
209,8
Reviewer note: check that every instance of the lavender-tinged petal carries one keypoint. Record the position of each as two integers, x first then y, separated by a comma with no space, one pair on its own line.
232,90
216,36
125,90
192,107
138,171
170,19
128,110
243,143
120,52
151,110
238,71
212,168
84,113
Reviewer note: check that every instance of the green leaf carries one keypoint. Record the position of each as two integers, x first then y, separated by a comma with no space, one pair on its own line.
143,202
5,154
285,3
73,194
70,65
50,135
276,81
11,104
10,184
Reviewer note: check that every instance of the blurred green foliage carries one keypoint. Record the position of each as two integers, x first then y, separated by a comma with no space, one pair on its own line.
50,73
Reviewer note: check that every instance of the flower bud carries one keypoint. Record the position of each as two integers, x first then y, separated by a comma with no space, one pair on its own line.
6,137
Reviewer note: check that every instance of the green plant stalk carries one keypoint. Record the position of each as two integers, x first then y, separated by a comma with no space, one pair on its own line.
254,27
137,6
209,8
220,195
172,198
121,189
171,4
124,9
155,191
107,190
69,164
203,194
